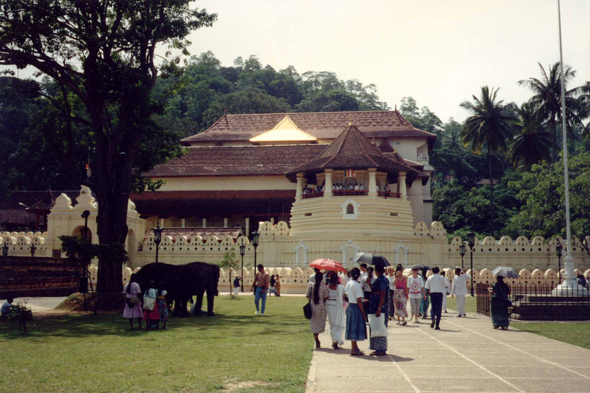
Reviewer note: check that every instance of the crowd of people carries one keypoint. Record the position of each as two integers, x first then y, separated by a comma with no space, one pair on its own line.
149,306
374,296
313,188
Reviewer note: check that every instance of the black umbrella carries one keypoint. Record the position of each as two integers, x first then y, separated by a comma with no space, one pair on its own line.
420,267
371,259
505,271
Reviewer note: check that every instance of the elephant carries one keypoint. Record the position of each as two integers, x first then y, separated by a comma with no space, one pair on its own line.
182,282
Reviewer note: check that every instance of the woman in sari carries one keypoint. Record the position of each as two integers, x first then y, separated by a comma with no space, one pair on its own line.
400,298
335,308
500,304
378,307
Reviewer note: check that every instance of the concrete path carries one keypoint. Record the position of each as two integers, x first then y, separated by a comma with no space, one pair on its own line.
467,355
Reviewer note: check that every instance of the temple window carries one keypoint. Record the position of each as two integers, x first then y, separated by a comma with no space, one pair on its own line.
350,209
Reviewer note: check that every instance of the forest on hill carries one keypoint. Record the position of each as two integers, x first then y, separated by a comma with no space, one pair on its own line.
517,147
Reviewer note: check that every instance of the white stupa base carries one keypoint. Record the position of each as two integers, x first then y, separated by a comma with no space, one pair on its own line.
570,288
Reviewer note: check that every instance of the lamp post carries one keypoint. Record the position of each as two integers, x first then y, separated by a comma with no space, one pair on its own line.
157,239
84,283
471,242
462,252
242,252
5,250
559,251
255,245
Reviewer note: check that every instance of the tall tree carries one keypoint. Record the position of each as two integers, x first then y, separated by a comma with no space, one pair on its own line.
101,53
546,101
532,143
487,129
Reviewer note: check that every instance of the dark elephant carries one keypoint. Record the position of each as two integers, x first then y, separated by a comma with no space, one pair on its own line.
183,282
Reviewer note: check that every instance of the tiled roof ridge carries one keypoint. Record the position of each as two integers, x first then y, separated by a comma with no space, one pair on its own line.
360,142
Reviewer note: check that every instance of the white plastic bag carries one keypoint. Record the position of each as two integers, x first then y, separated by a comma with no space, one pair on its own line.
377,325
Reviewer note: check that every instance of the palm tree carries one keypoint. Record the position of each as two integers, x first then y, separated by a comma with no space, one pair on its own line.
487,129
532,144
547,101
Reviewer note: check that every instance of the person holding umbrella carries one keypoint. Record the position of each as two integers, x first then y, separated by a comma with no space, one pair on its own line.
500,301
317,292
378,312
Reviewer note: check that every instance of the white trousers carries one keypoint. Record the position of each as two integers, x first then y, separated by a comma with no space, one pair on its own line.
444,304
461,304
236,291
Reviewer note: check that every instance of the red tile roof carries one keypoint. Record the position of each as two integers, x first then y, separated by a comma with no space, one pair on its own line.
352,150
322,125
237,160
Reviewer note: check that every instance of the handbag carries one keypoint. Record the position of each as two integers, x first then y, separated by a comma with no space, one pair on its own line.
133,300
307,311
377,325
149,302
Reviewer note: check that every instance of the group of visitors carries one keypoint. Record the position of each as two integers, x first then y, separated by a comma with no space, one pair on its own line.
372,297
312,189
150,306
348,187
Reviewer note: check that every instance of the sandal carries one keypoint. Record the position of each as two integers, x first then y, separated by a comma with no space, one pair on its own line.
357,353
378,353
496,327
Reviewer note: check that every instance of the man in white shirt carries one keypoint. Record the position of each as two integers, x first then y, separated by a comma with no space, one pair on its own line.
448,292
416,293
435,287
460,290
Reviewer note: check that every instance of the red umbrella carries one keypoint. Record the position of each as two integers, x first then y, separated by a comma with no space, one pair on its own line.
328,264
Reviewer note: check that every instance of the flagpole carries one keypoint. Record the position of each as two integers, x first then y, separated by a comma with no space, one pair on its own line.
570,285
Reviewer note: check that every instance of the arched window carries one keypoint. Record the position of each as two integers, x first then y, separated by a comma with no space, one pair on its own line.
350,209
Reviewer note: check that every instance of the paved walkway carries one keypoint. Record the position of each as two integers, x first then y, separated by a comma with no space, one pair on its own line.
467,355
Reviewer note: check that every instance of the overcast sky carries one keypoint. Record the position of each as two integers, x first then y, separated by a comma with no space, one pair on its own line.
438,51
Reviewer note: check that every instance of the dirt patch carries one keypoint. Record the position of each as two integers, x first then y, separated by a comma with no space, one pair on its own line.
232,387
106,302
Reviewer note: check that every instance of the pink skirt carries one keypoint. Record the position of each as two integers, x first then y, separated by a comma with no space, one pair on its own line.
132,312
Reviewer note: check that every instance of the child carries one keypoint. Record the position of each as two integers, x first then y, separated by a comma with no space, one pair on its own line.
6,307
162,306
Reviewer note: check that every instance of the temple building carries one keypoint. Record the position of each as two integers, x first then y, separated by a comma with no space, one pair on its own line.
252,168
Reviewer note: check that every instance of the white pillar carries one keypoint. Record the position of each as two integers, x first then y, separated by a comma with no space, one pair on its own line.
225,222
183,222
373,182
272,220
402,186
299,191
162,221
328,185
204,222
247,227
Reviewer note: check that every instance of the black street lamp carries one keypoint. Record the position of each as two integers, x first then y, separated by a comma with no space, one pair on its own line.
33,249
559,250
84,282
5,250
471,243
255,245
462,252
157,238
242,252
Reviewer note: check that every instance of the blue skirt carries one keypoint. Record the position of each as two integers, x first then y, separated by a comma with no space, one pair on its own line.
356,329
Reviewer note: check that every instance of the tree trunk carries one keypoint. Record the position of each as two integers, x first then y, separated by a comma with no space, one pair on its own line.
491,230
112,184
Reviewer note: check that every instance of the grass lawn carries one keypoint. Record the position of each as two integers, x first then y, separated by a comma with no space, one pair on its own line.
234,350
470,304
576,333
